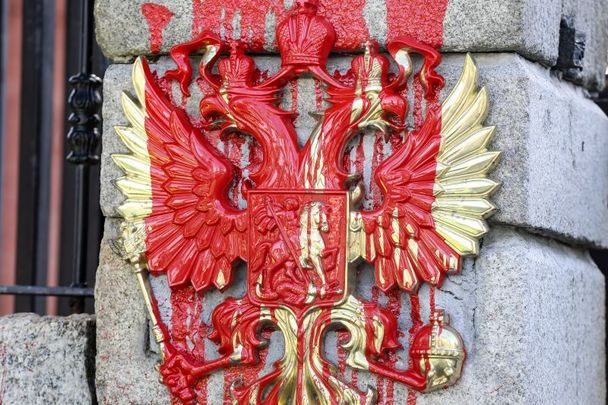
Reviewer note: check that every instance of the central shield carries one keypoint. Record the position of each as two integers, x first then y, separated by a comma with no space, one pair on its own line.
298,248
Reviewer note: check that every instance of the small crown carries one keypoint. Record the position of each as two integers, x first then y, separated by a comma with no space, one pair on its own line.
237,69
438,339
305,38
371,69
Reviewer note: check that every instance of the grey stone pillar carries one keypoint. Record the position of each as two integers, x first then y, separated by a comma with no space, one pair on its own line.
531,308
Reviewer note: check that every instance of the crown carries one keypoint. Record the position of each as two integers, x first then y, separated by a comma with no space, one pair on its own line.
238,68
371,69
305,37
438,339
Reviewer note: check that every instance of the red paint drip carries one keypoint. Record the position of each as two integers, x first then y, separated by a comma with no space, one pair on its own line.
233,151
418,103
360,157
343,337
206,90
354,379
432,300
394,305
416,325
256,156
380,380
318,95
259,76
419,19
188,331
411,397
294,95
197,336
157,16
377,158
219,15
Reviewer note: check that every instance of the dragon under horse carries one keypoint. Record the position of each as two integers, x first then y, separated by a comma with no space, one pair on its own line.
304,229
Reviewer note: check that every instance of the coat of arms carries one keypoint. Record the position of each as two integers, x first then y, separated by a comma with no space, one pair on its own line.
302,227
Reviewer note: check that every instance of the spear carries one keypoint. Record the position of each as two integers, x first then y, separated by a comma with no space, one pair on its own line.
285,238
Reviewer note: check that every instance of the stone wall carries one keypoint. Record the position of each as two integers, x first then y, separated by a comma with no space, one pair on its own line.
527,27
531,307
47,360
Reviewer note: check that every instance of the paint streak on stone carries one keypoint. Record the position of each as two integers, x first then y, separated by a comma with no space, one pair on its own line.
217,16
419,19
157,16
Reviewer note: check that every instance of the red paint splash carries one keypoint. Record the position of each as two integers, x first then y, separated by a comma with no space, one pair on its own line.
188,332
419,19
348,21
260,76
218,16
157,16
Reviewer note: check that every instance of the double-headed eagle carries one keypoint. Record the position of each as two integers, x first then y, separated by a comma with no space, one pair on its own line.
180,222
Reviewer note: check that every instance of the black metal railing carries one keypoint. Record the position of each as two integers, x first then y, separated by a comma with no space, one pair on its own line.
83,139
82,222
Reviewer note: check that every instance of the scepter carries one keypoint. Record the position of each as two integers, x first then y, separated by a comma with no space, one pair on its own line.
131,247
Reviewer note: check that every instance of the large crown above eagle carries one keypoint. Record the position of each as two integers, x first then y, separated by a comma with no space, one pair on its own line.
305,38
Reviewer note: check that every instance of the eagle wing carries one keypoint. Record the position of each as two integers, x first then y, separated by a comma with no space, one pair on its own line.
176,213
435,194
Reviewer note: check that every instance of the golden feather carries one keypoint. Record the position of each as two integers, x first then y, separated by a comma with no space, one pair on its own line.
463,188
136,184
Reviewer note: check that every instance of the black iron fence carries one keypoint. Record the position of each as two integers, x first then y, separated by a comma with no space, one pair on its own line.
81,224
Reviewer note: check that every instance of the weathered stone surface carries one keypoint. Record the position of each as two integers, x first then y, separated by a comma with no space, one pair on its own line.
535,328
528,27
553,141
125,371
47,360
530,310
